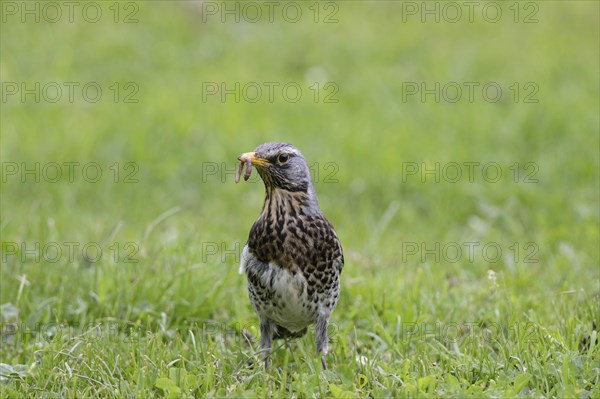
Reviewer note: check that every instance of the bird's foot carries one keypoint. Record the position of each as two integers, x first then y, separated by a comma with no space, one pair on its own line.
324,362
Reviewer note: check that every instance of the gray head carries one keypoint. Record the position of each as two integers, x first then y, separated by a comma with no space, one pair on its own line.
281,166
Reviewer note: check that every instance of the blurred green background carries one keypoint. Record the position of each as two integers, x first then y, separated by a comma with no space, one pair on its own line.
157,123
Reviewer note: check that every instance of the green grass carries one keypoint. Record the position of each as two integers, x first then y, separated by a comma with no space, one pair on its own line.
177,322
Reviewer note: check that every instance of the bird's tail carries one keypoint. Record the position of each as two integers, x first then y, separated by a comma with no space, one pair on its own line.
282,332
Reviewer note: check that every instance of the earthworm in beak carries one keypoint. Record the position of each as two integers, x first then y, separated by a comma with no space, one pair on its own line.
248,169
248,163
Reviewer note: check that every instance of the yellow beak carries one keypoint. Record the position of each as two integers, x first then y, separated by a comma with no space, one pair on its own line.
254,159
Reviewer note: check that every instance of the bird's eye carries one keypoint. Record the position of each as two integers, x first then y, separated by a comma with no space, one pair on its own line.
283,157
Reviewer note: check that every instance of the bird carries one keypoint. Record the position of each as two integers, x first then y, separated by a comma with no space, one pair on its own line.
293,258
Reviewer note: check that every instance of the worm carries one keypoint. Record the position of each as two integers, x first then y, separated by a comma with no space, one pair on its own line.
248,163
239,172
248,169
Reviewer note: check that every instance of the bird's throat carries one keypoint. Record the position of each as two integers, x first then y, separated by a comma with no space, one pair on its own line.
280,202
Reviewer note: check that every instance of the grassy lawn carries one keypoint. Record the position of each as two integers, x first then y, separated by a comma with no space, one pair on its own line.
454,147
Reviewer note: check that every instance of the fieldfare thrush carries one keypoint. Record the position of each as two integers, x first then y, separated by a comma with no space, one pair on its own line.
293,258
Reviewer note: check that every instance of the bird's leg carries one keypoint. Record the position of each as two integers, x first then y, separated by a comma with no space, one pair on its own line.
266,339
321,338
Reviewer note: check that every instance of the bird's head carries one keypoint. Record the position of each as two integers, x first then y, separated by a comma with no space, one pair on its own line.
281,166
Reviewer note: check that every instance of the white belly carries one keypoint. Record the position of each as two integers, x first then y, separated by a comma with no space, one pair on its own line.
288,304
289,307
